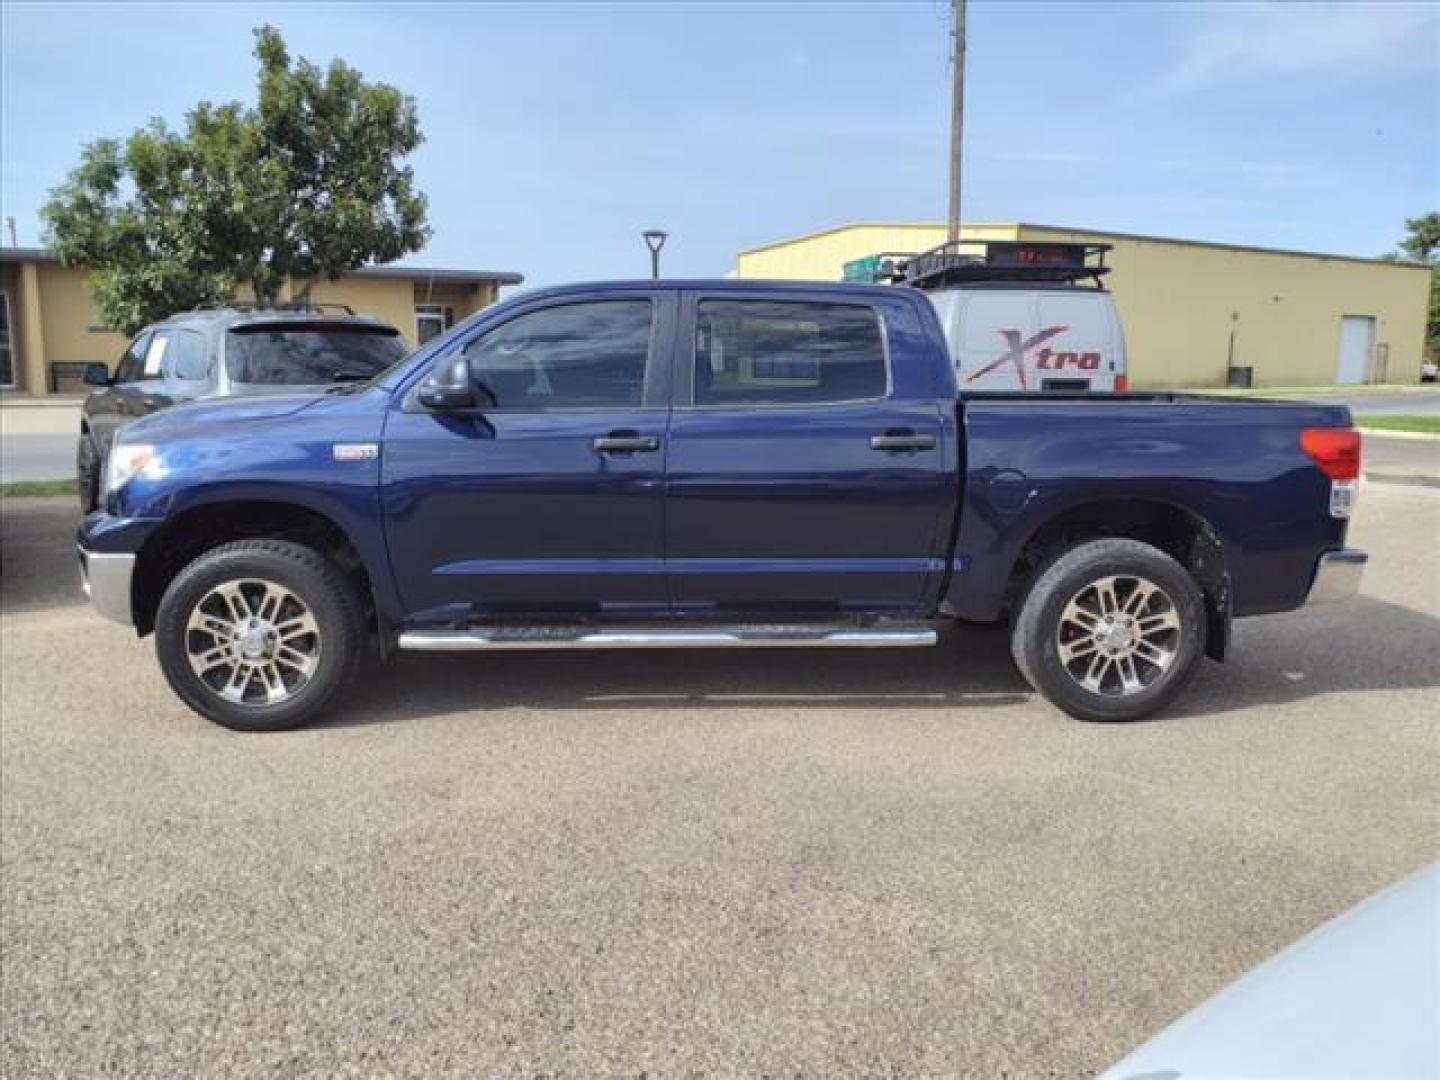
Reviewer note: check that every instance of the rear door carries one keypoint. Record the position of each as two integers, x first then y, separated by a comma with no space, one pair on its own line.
187,366
805,470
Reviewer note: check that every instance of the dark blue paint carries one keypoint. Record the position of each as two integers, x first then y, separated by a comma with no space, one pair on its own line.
759,510
1236,464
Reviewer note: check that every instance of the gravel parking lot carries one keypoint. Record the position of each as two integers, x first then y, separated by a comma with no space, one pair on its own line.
889,863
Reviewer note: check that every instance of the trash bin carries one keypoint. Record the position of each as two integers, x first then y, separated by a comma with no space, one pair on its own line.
1239,378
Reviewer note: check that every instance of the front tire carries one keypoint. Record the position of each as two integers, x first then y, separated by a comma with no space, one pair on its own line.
259,635
1113,629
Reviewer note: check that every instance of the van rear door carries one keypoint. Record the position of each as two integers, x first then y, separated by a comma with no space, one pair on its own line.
1090,352
994,331
1032,339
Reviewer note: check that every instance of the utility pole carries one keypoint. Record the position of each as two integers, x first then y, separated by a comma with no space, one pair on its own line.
957,108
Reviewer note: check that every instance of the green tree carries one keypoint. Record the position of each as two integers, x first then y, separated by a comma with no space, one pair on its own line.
307,184
1422,244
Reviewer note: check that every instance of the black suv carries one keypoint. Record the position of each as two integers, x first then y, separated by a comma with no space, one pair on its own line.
226,352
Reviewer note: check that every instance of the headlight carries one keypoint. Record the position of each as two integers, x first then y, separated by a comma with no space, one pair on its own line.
126,459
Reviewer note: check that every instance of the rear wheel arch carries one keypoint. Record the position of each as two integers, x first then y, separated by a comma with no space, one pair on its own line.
1187,537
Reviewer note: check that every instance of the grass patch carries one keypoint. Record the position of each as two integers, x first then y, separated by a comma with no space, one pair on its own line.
1421,423
37,489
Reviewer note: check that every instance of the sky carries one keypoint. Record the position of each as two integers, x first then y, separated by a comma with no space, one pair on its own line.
556,133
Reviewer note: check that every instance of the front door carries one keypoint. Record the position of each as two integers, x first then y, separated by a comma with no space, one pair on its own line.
801,476
107,410
548,497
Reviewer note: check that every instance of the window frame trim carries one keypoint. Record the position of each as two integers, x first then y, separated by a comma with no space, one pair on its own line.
144,335
686,350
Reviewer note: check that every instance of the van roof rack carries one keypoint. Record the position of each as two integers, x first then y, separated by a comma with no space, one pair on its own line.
964,262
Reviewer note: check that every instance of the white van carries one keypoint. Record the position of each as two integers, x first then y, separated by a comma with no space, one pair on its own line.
1018,316
1056,338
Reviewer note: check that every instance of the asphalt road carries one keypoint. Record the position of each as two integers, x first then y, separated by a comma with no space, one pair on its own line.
1400,460
686,864
37,456
37,442
1381,400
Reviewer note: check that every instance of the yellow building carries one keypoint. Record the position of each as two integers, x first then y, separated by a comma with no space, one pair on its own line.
49,325
1193,310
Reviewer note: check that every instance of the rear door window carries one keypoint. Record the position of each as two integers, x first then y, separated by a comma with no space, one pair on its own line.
786,352
188,358
310,355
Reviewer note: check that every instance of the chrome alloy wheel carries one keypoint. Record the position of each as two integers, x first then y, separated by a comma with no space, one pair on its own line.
253,642
1118,635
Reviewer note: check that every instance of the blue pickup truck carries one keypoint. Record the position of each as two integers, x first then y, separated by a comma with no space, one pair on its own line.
704,464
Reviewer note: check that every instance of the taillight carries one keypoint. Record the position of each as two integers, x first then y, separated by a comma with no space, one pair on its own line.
1122,383
1335,450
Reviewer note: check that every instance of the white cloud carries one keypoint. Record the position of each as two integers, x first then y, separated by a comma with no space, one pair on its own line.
1234,42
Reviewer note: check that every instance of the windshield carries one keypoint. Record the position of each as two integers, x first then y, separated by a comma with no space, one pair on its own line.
290,356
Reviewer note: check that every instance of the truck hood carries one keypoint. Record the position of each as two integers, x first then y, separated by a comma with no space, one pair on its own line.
220,411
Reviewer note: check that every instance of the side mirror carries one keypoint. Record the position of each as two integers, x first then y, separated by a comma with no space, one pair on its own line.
95,374
448,388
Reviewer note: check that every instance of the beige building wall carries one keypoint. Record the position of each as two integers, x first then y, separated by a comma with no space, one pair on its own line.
818,256
388,299
56,321
72,327
1181,300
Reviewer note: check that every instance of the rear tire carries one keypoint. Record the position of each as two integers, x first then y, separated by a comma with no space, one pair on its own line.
87,473
1113,629
259,635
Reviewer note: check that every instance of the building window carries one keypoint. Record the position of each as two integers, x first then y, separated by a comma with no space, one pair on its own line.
432,320
7,343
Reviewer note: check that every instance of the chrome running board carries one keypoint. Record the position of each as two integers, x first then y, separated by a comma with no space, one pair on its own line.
908,635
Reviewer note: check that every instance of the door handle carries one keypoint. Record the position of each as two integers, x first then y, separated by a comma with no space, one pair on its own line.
901,441
626,442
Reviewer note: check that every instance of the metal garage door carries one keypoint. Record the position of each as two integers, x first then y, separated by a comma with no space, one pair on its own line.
1357,334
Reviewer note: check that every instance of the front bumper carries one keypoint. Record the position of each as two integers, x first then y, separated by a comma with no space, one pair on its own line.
1337,576
105,578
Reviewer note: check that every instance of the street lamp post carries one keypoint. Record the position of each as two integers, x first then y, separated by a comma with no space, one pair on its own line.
655,240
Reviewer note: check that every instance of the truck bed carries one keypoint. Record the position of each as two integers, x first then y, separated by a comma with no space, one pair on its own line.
1236,463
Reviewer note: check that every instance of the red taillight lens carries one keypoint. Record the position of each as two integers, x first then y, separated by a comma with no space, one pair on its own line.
1335,450
1122,383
